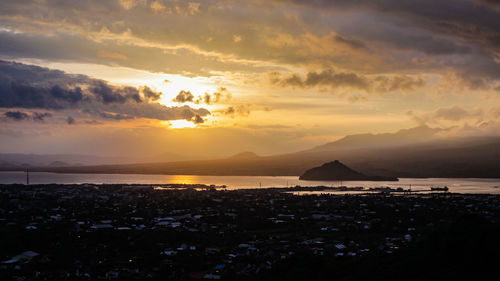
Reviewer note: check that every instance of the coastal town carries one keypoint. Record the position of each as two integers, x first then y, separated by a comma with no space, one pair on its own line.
202,232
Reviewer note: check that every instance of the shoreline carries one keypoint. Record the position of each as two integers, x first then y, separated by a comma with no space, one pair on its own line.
296,190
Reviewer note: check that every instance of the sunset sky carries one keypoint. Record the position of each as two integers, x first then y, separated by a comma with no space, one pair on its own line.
213,78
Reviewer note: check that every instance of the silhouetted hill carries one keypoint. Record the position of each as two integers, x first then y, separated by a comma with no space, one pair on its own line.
335,171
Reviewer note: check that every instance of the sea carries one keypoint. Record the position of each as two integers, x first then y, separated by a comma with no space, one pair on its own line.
458,185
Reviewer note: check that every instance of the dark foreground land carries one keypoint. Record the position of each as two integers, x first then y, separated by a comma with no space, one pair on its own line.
107,232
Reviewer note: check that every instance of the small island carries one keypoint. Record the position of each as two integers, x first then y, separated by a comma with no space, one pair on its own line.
336,171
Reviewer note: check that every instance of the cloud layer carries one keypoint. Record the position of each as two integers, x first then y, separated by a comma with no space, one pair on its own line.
363,37
33,87
350,80
326,68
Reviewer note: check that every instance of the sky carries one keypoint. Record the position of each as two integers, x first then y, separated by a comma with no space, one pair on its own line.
214,78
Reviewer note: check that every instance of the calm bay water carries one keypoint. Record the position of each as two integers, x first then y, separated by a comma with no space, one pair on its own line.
491,186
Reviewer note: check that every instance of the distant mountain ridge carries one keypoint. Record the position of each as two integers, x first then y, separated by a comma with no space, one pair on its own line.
403,137
418,152
11,160
57,160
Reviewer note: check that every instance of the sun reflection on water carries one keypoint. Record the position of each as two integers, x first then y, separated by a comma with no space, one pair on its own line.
184,179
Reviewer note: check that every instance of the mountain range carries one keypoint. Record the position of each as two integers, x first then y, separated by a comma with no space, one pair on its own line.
417,152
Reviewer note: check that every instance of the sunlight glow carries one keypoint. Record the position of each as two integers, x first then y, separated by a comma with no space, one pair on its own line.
184,179
179,124
173,84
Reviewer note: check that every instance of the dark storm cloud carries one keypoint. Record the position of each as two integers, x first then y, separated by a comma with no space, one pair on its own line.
34,87
150,94
21,95
16,115
20,116
462,18
423,41
29,86
329,77
458,35
128,111
72,96
324,78
41,76
108,94
351,80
